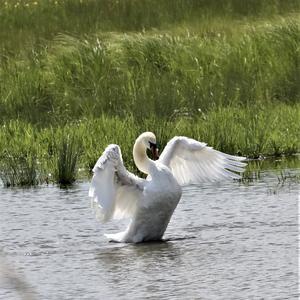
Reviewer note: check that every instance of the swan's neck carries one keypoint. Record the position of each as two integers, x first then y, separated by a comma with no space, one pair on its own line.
140,157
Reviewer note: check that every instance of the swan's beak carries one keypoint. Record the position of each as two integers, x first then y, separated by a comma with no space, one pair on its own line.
154,151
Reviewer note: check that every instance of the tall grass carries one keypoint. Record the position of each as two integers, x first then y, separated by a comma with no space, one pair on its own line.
29,156
152,74
18,169
18,155
66,155
30,22
77,75
58,152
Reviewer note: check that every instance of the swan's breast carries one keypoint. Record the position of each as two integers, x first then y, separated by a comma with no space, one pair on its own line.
156,209
163,187
160,197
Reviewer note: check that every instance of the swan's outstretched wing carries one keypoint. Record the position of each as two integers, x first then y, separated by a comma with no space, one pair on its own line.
193,162
114,191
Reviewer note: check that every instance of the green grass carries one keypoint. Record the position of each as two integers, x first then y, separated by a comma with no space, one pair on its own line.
18,169
58,152
147,74
31,22
64,151
18,155
78,75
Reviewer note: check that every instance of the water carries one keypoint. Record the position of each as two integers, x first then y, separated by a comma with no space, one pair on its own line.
225,241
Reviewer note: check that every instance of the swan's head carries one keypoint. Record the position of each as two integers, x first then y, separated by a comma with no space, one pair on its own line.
148,139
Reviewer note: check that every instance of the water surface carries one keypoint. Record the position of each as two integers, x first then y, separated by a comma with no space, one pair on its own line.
225,241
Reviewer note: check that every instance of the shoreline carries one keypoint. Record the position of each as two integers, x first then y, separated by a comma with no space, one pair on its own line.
28,154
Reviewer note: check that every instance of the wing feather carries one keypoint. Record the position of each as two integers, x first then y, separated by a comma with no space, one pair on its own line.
115,192
192,161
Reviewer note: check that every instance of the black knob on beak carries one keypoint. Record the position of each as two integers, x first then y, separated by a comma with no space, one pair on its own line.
154,151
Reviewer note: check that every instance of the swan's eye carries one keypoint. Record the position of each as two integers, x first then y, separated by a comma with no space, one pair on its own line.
152,145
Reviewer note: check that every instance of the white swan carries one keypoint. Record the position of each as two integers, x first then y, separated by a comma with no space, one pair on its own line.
116,193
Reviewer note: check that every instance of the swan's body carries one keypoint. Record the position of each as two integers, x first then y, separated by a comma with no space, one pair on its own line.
157,202
150,203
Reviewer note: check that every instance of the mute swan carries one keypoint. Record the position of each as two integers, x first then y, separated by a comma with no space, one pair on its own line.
116,193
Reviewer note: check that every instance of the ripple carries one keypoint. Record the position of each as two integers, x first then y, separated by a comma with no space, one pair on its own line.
226,239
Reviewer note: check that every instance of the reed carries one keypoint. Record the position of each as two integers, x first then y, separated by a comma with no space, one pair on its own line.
77,75
18,155
252,131
145,74
25,22
64,150
54,154
18,169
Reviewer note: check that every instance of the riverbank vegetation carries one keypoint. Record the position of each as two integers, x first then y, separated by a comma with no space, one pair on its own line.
53,154
78,75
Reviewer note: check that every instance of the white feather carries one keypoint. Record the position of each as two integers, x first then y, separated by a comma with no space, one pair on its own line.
117,193
194,162
114,190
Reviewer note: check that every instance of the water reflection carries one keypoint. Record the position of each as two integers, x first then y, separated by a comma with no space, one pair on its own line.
279,165
150,249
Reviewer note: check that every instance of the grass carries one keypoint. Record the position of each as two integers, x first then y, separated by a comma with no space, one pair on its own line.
287,177
58,152
32,21
152,74
64,152
18,169
78,75
18,155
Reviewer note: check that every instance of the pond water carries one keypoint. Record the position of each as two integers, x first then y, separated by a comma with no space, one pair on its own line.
225,241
